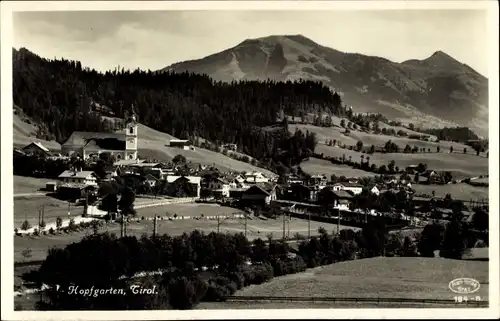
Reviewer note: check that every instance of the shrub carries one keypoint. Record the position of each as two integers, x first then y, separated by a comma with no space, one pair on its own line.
58,222
72,226
52,231
42,224
238,279
16,230
36,232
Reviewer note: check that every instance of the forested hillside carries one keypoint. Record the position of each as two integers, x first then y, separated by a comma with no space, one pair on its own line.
63,95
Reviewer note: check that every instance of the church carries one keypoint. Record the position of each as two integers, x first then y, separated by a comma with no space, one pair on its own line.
122,144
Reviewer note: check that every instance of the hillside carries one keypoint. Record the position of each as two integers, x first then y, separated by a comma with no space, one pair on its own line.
424,92
153,144
384,277
24,131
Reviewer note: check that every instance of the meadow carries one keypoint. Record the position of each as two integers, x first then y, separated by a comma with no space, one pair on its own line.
256,228
460,165
315,166
460,191
384,277
24,184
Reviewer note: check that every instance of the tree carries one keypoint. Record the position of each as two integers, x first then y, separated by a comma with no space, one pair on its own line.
372,149
359,145
430,239
465,150
480,220
179,159
438,149
451,149
454,241
407,149
411,126
58,223
342,123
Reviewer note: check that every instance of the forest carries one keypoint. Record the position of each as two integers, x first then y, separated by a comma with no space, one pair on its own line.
65,97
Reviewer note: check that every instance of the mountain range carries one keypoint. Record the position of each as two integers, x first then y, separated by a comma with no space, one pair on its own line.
434,92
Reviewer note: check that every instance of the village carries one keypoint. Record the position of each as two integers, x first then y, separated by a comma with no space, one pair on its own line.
83,181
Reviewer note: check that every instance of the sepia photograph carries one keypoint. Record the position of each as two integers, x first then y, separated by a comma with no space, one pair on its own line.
201,157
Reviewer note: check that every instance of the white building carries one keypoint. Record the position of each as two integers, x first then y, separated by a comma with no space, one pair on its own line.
218,185
78,177
352,187
255,177
122,144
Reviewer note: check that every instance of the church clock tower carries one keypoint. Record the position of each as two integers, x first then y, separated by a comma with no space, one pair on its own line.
131,135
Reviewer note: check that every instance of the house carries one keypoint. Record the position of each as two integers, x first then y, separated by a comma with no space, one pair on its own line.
319,180
302,193
110,175
151,180
259,194
255,177
122,144
339,199
36,148
218,186
373,189
355,188
189,186
78,177
180,143
232,147
431,177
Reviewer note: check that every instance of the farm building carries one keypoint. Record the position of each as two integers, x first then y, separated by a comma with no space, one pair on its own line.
218,186
78,177
346,186
36,148
301,193
255,177
187,186
259,194
180,143
335,198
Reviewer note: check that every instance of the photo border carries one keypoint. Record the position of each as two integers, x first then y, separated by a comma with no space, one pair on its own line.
8,7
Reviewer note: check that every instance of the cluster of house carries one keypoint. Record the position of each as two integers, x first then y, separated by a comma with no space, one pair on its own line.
338,195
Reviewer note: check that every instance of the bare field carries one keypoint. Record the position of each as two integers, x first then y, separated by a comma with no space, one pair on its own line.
23,184
459,191
315,166
397,277
460,165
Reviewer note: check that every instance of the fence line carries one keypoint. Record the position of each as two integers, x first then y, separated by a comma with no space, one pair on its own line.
355,299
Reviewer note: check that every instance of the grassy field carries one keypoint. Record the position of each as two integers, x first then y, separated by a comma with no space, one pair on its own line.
27,208
315,166
460,165
368,139
154,144
24,133
23,184
256,228
459,191
421,278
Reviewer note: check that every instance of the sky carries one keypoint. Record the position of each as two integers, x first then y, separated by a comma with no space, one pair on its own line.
153,40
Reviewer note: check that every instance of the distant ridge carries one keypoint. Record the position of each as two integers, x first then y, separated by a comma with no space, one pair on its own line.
439,86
